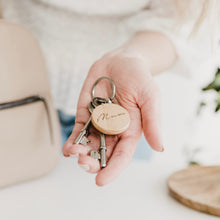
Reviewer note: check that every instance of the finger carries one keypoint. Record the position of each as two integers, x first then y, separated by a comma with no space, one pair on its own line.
78,149
120,159
88,164
150,112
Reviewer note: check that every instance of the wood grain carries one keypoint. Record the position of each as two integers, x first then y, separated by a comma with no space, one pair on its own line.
110,119
197,187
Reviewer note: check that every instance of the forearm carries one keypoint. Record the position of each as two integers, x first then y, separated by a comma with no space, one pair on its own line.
155,48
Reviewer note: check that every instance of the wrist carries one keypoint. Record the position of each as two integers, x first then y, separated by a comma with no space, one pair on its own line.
153,48
124,53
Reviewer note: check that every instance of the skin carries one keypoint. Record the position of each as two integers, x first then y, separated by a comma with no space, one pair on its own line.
131,67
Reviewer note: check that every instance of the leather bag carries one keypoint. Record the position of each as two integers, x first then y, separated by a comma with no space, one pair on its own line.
30,140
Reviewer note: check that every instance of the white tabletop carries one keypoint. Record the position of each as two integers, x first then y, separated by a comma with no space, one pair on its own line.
70,193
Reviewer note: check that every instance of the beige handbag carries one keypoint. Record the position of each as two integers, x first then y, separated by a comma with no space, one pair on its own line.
30,140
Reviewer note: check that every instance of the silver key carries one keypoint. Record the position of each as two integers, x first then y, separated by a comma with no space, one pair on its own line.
95,154
102,150
101,155
82,139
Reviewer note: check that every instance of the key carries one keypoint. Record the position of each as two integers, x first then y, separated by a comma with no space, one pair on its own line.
95,154
82,139
101,155
102,150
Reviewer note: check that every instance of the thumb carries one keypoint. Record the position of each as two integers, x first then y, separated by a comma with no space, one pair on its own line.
150,113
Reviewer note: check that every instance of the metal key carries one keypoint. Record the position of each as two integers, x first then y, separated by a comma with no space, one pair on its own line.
95,154
102,150
101,154
82,139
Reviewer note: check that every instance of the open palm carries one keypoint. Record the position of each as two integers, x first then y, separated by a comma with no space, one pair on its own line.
136,92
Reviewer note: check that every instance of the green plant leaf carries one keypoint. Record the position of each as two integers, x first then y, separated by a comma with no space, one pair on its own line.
215,84
217,103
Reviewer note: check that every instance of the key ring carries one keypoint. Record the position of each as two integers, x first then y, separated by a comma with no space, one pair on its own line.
97,81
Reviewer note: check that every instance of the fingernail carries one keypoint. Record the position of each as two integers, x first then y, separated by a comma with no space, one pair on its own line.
84,166
74,155
162,149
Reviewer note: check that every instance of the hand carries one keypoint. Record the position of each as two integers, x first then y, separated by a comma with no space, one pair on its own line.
136,92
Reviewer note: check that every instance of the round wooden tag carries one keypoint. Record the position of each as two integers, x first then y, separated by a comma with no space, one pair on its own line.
110,119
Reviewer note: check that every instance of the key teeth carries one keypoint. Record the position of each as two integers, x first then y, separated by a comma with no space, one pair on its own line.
95,154
84,141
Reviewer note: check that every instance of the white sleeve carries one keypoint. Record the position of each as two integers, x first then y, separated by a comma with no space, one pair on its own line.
161,16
